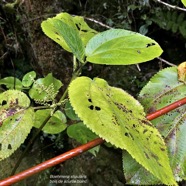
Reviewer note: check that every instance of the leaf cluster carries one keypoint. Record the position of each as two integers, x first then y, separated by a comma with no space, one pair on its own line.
96,108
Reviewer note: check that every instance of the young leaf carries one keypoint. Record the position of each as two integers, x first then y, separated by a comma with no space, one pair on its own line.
163,89
45,89
118,118
55,125
11,83
28,79
82,134
121,47
16,121
184,2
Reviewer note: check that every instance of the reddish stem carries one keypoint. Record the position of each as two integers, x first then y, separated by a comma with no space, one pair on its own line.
75,152
166,109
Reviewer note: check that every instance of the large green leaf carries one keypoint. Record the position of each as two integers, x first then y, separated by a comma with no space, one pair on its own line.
16,121
163,89
118,118
121,47
72,33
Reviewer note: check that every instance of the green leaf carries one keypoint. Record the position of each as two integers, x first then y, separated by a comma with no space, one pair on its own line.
16,121
28,79
11,83
12,98
85,32
163,89
45,89
69,111
71,37
118,118
82,134
184,2
72,33
121,47
55,125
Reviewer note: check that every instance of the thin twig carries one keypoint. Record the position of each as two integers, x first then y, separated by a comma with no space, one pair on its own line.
98,22
167,62
171,6
4,55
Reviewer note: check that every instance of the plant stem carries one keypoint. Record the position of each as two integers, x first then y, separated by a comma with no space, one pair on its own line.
171,6
75,74
29,145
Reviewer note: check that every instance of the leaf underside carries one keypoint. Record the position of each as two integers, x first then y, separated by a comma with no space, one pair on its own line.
163,89
118,118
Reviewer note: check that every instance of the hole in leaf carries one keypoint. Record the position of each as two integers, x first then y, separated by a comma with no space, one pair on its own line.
145,131
150,44
146,155
97,108
126,134
9,146
91,107
90,100
78,27
0,146
4,102
162,149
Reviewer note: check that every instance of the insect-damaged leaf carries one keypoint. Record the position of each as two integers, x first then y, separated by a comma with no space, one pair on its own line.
118,118
163,89
121,47
72,33
16,121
